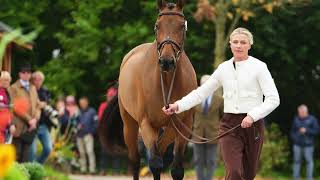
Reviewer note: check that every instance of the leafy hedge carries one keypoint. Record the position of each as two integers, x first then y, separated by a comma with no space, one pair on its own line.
275,151
33,171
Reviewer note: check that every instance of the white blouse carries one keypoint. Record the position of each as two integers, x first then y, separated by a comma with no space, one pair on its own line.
243,89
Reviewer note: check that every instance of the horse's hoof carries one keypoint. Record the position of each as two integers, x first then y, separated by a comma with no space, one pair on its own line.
177,174
156,162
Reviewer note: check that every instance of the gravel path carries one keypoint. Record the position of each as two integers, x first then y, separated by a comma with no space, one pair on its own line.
88,177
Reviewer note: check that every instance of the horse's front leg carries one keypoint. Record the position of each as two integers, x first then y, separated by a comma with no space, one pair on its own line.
150,137
177,171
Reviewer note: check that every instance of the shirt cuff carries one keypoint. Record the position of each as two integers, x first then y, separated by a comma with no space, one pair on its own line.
254,116
180,107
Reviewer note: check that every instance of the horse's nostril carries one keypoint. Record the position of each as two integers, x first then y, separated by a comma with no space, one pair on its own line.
166,63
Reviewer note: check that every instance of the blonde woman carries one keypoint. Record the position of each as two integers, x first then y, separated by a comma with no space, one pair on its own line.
245,80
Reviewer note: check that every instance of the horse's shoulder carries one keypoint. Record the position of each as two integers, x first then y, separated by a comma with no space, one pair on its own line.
134,51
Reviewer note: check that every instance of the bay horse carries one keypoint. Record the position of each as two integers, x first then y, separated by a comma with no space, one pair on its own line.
146,73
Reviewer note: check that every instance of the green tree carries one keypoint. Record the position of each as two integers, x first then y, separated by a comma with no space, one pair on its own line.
226,14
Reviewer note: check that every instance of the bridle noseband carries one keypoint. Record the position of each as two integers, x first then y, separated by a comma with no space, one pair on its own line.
173,43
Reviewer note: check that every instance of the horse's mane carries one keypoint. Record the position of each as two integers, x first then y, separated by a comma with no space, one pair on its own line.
171,5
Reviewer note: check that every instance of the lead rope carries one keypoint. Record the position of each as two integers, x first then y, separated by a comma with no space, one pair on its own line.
166,103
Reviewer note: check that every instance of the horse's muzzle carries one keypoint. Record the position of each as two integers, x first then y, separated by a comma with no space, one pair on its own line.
166,64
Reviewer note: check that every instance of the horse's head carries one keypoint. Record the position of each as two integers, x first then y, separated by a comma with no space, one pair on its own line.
170,30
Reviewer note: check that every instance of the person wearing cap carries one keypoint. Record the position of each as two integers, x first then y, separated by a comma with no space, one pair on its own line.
5,127
111,92
104,157
206,124
26,123
249,94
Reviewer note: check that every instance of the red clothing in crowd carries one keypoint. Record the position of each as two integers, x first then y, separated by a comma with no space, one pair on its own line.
102,107
110,93
5,115
4,96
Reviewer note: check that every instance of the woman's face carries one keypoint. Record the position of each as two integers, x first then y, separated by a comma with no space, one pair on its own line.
240,46
5,82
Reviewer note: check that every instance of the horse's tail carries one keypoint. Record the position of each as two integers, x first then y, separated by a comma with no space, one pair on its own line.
110,129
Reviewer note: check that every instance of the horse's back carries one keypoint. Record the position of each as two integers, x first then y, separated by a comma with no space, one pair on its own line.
136,53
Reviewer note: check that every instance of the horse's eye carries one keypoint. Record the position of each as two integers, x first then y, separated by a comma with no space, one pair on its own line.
156,27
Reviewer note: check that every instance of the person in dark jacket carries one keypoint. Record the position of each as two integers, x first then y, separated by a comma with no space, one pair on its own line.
43,131
304,129
87,125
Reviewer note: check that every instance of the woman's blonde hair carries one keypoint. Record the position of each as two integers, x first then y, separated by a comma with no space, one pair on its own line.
5,75
244,31
38,74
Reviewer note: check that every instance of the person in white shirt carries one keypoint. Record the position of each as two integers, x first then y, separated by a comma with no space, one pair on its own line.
245,80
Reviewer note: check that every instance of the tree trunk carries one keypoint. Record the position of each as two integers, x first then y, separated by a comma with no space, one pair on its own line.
220,49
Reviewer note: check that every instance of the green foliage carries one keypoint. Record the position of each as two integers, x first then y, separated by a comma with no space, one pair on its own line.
52,174
17,172
33,171
275,151
36,170
22,14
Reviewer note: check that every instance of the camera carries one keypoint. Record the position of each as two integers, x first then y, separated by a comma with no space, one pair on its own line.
52,115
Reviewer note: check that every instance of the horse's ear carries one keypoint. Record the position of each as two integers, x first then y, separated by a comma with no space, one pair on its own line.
180,3
161,4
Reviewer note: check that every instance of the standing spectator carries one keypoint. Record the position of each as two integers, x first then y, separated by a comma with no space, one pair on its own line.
60,106
25,124
86,126
68,118
111,92
5,80
44,124
304,129
206,124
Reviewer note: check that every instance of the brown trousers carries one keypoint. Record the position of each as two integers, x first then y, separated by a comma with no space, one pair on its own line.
22,149
240,148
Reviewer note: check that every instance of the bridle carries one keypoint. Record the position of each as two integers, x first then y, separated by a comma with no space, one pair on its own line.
175,45
167,100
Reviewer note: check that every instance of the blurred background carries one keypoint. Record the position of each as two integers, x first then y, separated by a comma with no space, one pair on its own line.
79,46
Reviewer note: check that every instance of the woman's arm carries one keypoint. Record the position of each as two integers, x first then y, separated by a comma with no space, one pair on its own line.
196,96
270,92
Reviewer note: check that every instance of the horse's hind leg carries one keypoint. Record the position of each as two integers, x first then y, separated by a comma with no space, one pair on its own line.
130,130
150,137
